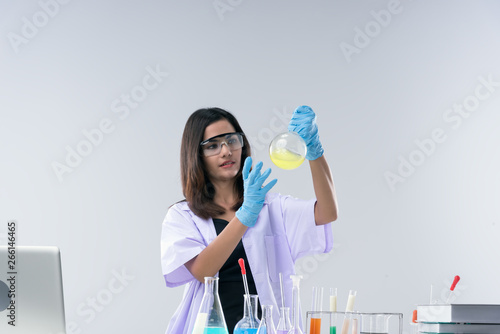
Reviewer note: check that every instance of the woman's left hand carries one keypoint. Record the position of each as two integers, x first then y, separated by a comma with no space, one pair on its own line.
303,122
254,193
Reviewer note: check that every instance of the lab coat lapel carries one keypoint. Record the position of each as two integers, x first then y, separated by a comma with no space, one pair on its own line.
206,228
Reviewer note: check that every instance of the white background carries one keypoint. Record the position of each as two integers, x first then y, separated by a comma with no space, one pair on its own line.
259,60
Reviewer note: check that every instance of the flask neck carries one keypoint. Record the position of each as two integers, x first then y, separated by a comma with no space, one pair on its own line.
285,315
211,285
210,314
267,313
250,309
295,305
284,322
284,312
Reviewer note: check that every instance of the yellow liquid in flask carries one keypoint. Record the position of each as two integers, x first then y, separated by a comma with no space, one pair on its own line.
286,159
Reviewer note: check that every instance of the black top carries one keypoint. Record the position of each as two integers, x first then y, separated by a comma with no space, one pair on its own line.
231,289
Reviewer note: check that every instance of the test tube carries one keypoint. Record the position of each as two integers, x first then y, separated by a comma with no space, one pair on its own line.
333,308
317,301
333,299
350,301
345,325
349,308
354,326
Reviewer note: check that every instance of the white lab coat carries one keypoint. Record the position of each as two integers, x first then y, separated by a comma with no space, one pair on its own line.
285,231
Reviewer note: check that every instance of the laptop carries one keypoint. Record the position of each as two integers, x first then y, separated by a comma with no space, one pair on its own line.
31,291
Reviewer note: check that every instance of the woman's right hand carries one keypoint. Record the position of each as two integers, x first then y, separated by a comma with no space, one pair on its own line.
303,122
254,193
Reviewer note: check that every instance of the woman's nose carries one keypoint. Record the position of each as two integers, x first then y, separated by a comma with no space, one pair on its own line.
224,148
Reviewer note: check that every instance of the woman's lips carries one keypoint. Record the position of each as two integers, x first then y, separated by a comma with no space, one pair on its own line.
227,164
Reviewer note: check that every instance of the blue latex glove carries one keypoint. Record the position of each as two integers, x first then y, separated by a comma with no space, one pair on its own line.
303,122
253,193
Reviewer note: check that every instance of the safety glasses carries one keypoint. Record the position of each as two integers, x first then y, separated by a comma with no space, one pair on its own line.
213,146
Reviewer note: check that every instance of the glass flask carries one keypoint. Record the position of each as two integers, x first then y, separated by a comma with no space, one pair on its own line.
295,329
284,324
249,324
210,318
288,150
267,325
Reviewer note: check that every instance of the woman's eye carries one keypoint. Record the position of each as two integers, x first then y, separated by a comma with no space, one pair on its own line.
211,146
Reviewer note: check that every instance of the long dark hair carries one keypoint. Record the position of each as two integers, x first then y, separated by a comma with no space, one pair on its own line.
196,186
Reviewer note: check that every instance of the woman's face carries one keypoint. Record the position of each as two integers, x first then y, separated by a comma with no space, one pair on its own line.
225,165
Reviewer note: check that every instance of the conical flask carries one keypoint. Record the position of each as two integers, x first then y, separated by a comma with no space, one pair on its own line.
267,325
210,318
284,324
249,324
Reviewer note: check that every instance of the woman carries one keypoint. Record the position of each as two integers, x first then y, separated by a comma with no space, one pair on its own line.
229,214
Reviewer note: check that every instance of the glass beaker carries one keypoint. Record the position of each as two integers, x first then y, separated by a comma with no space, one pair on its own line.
288,150
267,325
375,323
249,324
284,324
210,318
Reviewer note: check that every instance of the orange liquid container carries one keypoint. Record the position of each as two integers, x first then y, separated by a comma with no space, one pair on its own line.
315,326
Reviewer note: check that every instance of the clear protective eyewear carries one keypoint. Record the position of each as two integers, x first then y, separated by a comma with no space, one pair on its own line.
213,146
